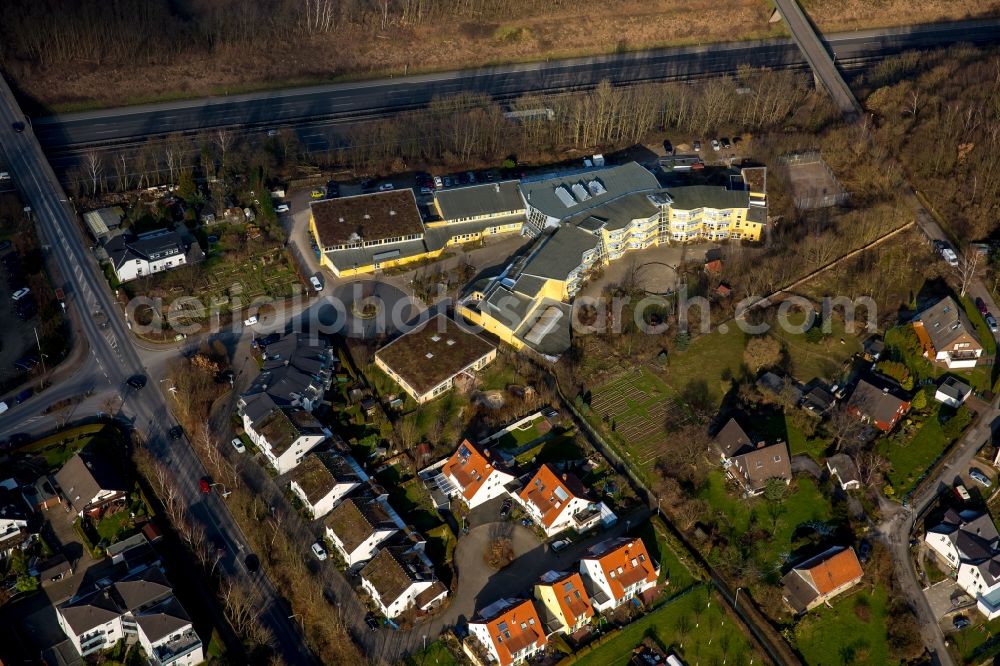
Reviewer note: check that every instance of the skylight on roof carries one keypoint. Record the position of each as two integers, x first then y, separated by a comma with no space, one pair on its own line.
563,194
561,494
435,337
580,192
430,355
450,342
596,188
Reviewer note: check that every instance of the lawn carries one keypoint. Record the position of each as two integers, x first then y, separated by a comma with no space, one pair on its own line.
780,426
110,527
518,437
803,504
694,625
911,457
436,654
59,448
842,635
410,499
707,359
978,643
825,358
559,448
653,534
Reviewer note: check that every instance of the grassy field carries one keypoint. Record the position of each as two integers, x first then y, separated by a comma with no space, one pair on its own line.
707,359
839,635
978,643
562,446
671,567
694,625
436,654
779,425
910,457
825,359
518,437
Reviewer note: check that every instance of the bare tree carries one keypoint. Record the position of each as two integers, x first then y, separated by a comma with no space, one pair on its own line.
966,269
93,164
224,141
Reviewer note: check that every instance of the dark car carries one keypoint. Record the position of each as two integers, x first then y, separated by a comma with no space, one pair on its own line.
961,622
668,147
981,305
332,189
724,141
137,381
23,395
372,621
176,432
864,550
252,563
18,439
18,126
268,339
505,508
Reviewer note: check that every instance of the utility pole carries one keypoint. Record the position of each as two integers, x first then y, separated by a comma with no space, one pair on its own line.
40,354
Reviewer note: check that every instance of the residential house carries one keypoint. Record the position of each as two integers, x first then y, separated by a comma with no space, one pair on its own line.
878,406
841,466
947,335
564,600
821,578
323,479
426,361
505,633
359,525
138,256
41,495
952,392
968,543
616,571
473,474
401,577
89,482
138,605
296,371
752,465
283,435
13,523
873,348
559,501
818,400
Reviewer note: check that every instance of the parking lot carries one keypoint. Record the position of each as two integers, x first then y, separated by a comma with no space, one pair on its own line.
18,338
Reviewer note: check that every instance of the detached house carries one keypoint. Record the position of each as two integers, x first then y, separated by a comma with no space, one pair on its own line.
565,601
13,523
969,544
878,406
473,475
821,578
616,571
359,525
323,479
137,256
841,466
506,632
283,434
947,335
751,465
400,577
90,483
559,502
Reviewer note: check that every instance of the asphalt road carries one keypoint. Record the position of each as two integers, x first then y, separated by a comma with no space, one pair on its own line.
353,101
115,359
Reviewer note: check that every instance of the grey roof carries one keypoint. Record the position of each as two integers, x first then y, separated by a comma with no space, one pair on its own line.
529,285
973,534
365,256
945,321
818,400
393,570
488,199
143,588
733,439
91,611
159,621
845,469
84,476
757,214
690,197
618,213
873,402
760,465
615,182
436,238
955,389
562,253
149,247
295,366
548,330
357,518
131,593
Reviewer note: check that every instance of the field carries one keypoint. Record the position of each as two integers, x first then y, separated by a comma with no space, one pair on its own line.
634,409
706,360
840,635
824,359
694,625
653,534
436,654
779,426
910,457
976,644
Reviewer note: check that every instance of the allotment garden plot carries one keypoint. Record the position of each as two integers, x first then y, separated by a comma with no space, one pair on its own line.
634,409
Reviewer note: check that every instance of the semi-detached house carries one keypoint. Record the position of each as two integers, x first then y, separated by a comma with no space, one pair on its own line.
559,501
283,434
564,600
616,571
506,632
323,479
359,525
472,473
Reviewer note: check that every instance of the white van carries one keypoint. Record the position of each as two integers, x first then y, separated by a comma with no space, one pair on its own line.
3,407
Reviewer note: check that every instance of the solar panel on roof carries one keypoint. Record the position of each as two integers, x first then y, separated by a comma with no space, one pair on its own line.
561,494
563,195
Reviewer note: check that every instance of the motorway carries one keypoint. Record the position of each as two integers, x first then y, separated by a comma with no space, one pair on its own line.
114,358
352,101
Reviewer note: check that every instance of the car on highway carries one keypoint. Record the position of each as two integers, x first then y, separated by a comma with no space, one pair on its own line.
981,306
716,146
281,208
991,321
205,485
560,545
505,509
319,551
20,293
251,321
18,126
316,284
137,381
317,194
960,622
238,445
176,432
386,187
23,395
697,146
438,183
977,475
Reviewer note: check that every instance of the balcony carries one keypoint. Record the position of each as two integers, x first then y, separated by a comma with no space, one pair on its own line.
170,651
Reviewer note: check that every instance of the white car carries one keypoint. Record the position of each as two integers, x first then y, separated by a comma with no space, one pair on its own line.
281,208
272,132
251,321
20,293
317,285
238,445
319,551
716,145
561,544
385,187
438,183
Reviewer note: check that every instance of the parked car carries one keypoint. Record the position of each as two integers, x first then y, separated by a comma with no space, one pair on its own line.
470,177
715,145
317,194
18,126
981,304
176,432
949,256
332,189
137,381
725,142
385,187
864,550
252,563
23,395
668,147
316,284
272,132
20,293
991,321
697,146
281,208
238,445
980,478
561,544
372,621
505,509
205,485
962,493
438,183
319,551
527,522
448,182
426,191
251,321
960,622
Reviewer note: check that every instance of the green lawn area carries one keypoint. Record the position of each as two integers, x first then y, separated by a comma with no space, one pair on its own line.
111,527
825,358
59,448
707,359
560,447
837,635
694,625
436,654
805,503
671,567
779,425
910,456
517,437
978,643
410,499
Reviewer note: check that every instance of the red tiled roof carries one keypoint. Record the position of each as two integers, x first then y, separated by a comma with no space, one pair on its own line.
830,573
470,467
514,629
625,565
551,493
572,596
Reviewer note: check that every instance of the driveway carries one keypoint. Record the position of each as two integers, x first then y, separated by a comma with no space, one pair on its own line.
946,597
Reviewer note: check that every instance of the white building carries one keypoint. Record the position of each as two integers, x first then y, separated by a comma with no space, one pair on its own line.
359,525
401,577
952,392
969,544
616,571
506,632
323,479
283,435
137,256
559,502
472,474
